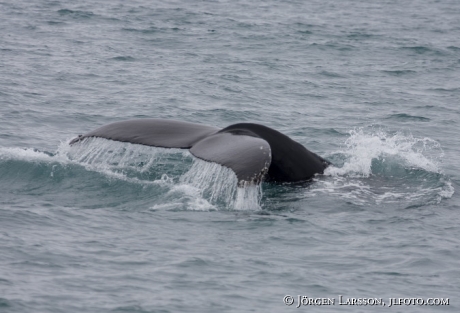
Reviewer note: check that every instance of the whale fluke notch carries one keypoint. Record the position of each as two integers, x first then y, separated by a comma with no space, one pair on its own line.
254,152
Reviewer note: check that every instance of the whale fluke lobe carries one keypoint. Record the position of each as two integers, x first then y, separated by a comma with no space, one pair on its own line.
153,132
249,157
254,152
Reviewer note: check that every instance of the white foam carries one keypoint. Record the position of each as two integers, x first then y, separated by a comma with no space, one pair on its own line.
362,148
446,191
395,154
190,197
25,154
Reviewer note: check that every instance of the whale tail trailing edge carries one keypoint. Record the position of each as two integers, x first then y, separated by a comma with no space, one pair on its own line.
248,156
153,132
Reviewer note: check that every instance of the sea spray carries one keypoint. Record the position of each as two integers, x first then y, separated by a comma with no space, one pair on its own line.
378,167
128,161
107,154
207,184
220,185
362,148
25,154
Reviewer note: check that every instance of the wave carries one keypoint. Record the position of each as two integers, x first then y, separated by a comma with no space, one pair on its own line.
376,166
171,176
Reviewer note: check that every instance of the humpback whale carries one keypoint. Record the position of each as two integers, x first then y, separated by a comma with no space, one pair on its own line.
254,152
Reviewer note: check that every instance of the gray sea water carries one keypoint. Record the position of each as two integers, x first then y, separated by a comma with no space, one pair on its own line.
373,86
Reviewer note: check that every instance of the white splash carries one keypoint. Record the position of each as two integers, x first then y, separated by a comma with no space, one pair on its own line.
106,154
380,167
25,154
220,184
204,186
362,148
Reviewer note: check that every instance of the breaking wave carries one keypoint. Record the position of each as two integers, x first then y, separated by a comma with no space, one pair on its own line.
379,166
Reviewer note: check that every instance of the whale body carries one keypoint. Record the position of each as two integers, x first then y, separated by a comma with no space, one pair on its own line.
254,152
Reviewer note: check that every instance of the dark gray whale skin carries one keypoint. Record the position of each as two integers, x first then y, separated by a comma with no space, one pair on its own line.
291,162
254,152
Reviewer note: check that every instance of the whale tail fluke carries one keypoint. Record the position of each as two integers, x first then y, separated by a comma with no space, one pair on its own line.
248,156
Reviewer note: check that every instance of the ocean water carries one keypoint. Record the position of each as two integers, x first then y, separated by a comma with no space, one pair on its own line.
373,86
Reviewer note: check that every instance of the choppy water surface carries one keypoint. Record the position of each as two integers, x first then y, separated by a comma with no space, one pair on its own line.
104,226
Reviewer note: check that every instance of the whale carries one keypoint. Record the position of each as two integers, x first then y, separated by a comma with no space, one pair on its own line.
254,152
